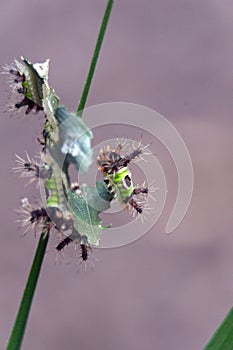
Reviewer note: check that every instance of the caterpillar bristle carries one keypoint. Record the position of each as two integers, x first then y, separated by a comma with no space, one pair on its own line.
30,216
31,168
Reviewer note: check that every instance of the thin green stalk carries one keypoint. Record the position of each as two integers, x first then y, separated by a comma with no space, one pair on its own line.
25,305
223,337
99,42
18,330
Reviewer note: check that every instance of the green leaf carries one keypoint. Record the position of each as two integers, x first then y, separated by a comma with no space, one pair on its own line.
86,207
223,337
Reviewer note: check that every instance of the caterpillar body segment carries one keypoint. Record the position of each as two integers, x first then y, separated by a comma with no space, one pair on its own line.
117,176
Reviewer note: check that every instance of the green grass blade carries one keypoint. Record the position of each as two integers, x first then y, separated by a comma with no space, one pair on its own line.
25,305
223,337
99,42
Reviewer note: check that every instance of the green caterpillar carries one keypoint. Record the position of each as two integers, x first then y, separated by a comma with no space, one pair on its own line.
56,201
54,183
117,176
31,77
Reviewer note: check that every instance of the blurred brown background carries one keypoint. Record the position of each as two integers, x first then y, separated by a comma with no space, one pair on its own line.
160,292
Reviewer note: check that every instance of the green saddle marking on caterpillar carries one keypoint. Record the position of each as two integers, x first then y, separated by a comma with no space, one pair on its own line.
120,183
117,176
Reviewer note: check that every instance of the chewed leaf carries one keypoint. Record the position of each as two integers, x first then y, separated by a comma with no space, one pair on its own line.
74,139
86,206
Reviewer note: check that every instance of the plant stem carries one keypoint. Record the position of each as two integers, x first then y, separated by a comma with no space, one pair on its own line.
18,330
99,42
25,305
223,337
